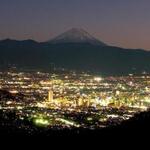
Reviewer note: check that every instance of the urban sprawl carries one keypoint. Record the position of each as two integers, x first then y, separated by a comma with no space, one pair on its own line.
74,100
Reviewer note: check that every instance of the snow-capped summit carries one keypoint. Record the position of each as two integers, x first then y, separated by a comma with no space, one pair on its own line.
76,35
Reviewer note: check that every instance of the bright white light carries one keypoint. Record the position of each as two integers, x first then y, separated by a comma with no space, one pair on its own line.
117,92
9,102
98,79
13,92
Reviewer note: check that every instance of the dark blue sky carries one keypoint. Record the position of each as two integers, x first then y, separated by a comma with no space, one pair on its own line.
123,23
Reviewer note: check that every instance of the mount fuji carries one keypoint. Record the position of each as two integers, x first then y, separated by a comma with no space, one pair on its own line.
76,35
74,49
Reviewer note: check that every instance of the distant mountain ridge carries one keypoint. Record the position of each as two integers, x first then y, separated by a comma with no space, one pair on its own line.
77,55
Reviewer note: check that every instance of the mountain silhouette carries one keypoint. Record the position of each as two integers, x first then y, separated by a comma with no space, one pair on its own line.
74,50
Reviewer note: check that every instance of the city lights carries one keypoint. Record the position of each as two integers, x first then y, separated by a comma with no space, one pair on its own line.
98,79
41,122
73,100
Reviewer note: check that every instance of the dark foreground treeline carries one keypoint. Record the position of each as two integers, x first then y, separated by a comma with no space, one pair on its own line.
11,125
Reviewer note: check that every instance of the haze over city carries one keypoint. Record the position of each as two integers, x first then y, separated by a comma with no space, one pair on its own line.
119,23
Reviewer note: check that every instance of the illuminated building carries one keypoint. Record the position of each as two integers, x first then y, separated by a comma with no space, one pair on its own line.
80,102
50,96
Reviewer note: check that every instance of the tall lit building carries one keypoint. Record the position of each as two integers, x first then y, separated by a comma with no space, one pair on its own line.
80,102
50,96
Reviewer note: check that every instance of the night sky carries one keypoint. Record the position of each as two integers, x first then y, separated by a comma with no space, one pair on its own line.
124,23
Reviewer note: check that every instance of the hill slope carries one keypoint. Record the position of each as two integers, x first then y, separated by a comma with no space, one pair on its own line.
78,56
